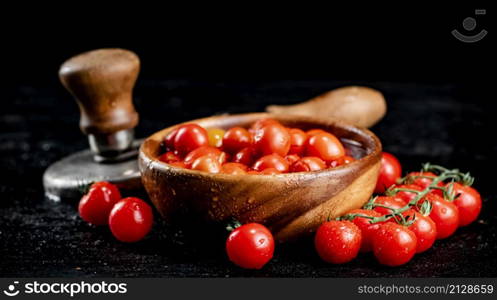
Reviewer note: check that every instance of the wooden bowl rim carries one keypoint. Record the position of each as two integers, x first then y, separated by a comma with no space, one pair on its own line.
152,162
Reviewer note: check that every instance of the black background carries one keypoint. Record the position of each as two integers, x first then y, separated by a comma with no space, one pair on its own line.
199,61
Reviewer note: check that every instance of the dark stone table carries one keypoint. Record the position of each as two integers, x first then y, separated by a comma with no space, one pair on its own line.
440,123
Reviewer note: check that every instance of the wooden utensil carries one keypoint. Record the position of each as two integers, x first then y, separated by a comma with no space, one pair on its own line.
290,204
101,81
360,106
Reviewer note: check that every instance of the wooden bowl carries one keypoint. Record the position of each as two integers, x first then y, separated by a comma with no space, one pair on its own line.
290,204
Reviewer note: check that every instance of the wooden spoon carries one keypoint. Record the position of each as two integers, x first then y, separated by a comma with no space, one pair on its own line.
356,105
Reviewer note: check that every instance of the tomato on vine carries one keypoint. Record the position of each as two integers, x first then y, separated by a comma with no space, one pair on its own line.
394,244
445,215
468,202
422,180
387,204
424,228
367,229
338,242
407,196
390,171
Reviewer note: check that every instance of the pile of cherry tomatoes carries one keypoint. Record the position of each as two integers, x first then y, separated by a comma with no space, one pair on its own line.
414,212
130,219
267,147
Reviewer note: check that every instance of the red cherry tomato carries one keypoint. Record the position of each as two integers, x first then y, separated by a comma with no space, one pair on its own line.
271,161
130,220
95,206
169,139
233,168
259,124
245,156
297,141
408,196
207,163
250,246
338,242
292,158
314,132
190,137
308,163
325,146
204,151
235,139
393,244
425,182
271,139
445,215
468,202
392,202
424,228
390,171
169,157
367,229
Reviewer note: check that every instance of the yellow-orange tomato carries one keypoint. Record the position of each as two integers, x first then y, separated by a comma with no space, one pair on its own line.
215,137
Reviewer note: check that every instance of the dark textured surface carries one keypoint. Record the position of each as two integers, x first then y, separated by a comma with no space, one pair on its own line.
440,123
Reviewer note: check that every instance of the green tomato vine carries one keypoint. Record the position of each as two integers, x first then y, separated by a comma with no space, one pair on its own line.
443,174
